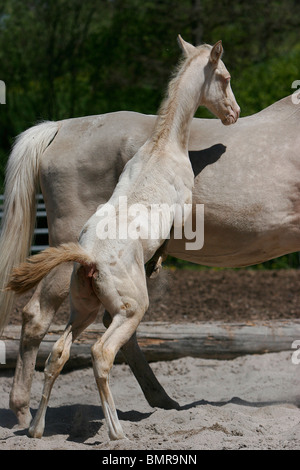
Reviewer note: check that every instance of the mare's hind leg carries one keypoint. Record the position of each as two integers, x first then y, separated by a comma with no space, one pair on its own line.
152,389
84,307
37,317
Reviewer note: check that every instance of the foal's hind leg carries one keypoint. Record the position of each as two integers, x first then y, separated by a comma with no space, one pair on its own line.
152,389
104,351
37,317
54,364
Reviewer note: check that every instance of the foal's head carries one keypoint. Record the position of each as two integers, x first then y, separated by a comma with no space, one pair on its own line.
216,93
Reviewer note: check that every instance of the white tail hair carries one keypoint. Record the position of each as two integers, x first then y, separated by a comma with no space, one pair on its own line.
21,181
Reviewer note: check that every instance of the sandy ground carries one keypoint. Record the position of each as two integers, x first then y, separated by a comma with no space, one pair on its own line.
251,402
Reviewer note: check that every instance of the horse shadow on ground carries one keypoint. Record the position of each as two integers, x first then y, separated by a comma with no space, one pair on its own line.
79,422
241,402
82,422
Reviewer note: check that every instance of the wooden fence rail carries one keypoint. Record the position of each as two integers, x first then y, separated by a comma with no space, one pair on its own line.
162,341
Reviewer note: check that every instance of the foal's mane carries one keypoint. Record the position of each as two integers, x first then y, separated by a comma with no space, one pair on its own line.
180,68
167,108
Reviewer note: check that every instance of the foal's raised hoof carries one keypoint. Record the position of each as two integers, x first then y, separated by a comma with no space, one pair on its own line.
153,269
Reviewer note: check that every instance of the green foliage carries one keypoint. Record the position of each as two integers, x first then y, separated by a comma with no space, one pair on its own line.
67,58
290,261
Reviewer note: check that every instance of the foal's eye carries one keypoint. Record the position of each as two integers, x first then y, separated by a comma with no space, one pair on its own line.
226,79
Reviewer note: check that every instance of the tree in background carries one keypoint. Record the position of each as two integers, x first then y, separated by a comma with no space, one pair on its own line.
65,58
68,58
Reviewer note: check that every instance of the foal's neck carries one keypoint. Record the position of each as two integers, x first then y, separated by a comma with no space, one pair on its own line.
177,110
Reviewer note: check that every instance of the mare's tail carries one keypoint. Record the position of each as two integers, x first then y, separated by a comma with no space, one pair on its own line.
21,181
31,272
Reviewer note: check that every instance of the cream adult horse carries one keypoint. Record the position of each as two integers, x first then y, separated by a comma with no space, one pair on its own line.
247,176
109,271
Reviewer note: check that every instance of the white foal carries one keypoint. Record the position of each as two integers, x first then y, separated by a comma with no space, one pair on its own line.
110,271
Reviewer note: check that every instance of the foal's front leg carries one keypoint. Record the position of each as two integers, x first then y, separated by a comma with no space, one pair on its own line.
154,266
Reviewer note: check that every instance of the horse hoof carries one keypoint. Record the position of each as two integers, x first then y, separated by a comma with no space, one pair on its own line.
35,433
153,270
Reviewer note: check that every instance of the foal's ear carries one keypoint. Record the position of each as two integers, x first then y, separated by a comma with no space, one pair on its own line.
187,48
216,52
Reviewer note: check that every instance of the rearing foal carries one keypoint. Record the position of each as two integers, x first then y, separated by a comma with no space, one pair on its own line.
110,271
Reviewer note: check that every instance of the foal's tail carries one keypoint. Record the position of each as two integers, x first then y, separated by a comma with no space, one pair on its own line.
31,272
21,181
